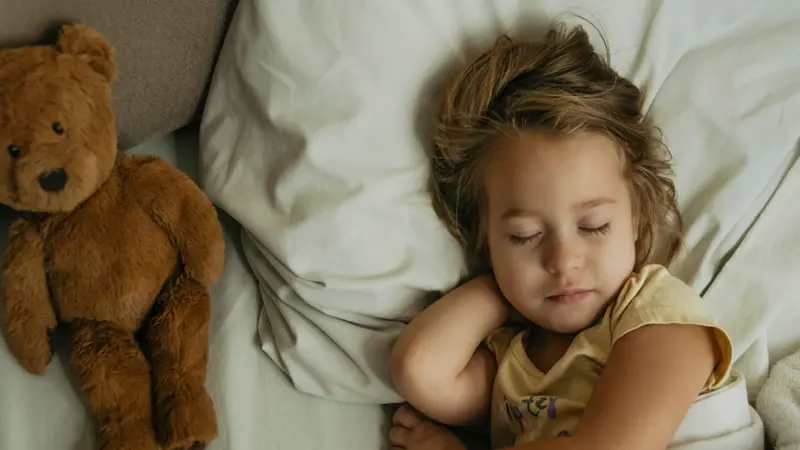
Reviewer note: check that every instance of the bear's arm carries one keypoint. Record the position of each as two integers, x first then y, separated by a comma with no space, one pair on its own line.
178,205
28,316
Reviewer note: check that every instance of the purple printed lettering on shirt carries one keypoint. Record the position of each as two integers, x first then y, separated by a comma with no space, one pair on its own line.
536,405
533,405
551,408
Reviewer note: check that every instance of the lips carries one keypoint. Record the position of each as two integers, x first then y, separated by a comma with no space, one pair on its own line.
569,295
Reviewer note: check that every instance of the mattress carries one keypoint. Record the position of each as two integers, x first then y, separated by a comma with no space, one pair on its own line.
258,408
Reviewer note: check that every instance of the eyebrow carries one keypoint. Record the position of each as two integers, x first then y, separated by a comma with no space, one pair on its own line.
589,204
511,213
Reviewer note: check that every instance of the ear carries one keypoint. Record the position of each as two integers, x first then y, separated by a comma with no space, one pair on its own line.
91,47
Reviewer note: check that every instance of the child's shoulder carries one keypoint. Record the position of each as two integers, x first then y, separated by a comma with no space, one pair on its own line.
654,285
653,295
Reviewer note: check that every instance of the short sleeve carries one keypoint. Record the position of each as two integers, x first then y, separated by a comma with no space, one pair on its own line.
654,297
499,341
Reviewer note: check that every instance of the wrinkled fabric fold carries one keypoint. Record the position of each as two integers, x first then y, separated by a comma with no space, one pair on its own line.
315,133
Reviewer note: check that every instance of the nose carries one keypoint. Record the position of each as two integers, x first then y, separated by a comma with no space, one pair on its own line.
54,180
563,256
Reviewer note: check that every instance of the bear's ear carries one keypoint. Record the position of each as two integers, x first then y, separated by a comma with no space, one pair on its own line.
91,47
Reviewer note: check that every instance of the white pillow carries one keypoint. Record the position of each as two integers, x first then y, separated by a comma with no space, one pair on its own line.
315,131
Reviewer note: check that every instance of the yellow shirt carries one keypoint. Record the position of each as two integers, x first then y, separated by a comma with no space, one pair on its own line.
528,404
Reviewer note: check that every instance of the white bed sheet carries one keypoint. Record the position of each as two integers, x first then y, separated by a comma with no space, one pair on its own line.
257,406
311,139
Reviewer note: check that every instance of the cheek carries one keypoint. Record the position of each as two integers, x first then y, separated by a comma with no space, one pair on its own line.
502,257
617,255
514,269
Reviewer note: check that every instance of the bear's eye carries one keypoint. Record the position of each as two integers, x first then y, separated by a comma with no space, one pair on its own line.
58,128
14,151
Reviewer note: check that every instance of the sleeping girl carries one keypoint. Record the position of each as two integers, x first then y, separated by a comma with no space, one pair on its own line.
560,192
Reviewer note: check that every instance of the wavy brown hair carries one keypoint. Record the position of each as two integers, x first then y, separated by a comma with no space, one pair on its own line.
561,85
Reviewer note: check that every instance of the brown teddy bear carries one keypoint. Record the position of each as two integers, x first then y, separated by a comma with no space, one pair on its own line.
111,246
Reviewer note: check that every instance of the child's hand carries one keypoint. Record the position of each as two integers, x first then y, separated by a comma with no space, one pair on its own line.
439,363
410,431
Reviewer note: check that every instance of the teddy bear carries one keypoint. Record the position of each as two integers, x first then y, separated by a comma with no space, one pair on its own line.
117,250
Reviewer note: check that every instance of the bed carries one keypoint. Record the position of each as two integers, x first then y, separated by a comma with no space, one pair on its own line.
312,146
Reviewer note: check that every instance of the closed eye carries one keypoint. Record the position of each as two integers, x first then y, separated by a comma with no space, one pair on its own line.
522,240
602,229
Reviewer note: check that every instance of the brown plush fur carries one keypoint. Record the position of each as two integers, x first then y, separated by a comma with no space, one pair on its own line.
127,245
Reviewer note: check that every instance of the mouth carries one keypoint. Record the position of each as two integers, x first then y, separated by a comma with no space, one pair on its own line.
569,296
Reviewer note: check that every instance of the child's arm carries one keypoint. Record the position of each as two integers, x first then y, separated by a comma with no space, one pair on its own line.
643,395
438,363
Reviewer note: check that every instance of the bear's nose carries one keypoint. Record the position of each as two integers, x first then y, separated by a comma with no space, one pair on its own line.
53,181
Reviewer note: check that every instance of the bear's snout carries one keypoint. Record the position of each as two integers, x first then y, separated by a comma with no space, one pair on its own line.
53,181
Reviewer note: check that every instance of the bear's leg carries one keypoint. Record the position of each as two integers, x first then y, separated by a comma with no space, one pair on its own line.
177,334
115,378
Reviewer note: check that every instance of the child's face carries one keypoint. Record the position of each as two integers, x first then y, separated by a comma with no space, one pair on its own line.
560,226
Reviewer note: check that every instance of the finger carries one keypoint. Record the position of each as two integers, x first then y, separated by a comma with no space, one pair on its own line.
398,436
405,417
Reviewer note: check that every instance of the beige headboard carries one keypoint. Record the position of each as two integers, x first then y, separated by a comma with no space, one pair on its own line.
166,50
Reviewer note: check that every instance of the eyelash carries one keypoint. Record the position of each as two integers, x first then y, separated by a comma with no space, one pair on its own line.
602,229
522,240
